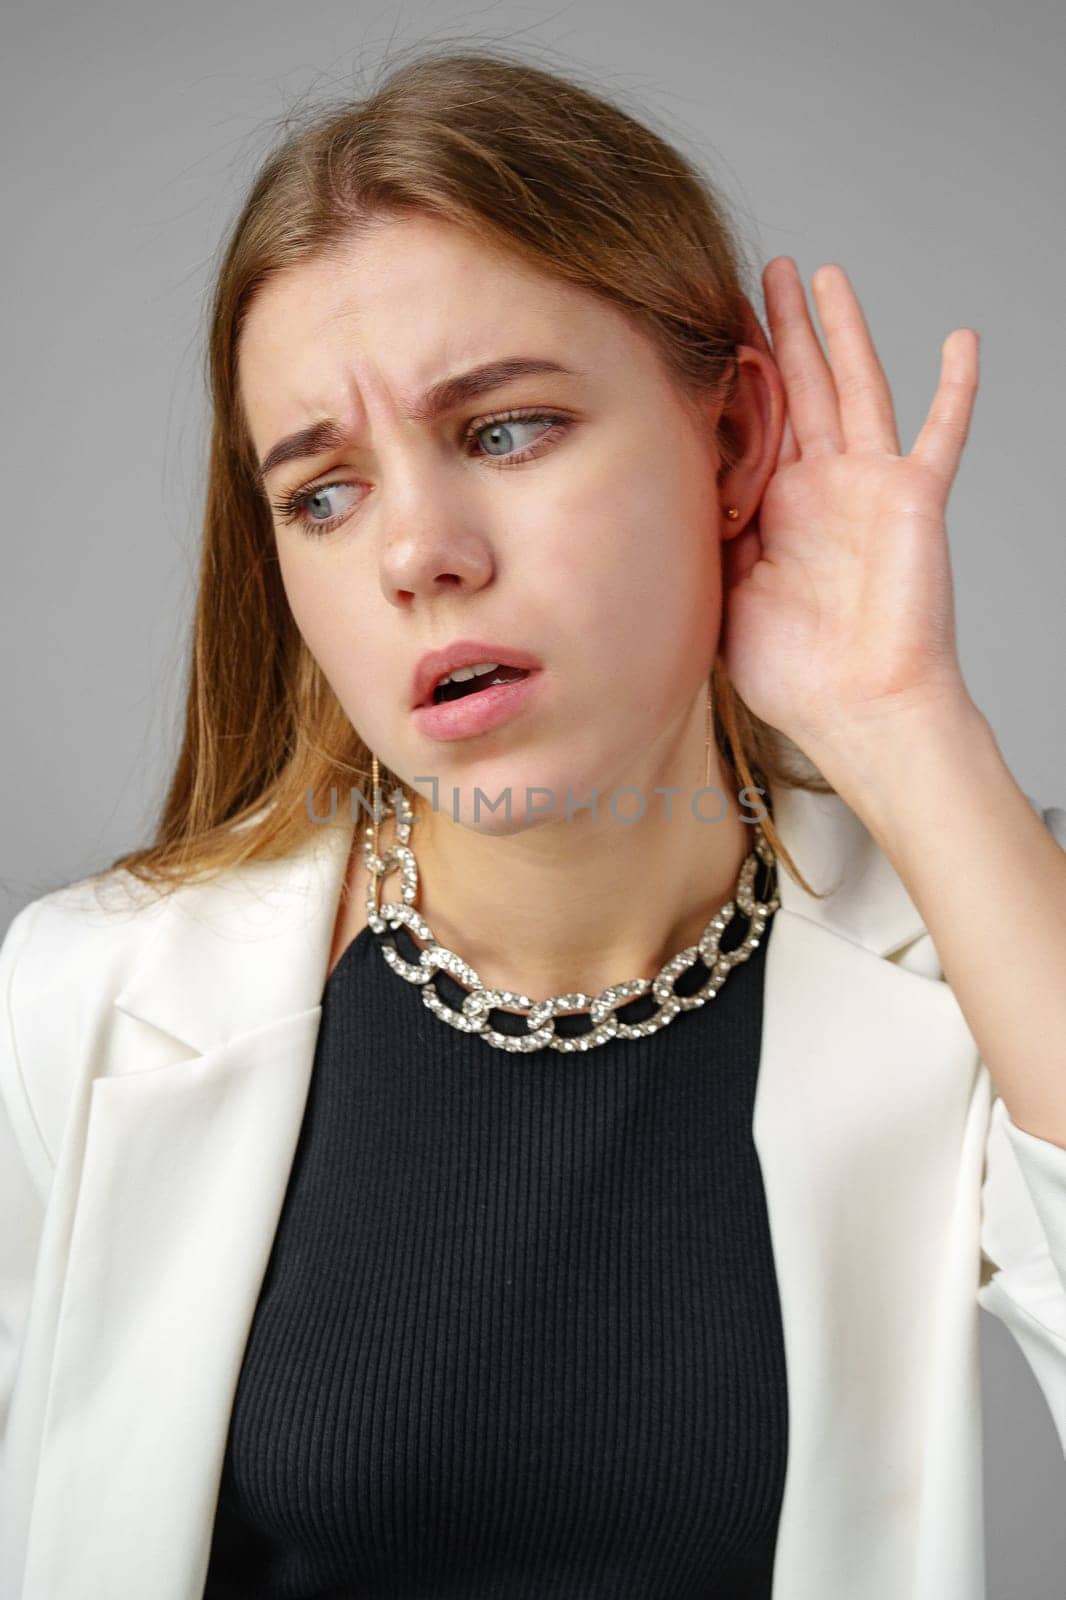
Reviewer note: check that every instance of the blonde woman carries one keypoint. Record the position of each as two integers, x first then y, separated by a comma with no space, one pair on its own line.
544,1111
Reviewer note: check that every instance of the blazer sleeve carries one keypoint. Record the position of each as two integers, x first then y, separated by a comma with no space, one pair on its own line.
1023,1232
25,1167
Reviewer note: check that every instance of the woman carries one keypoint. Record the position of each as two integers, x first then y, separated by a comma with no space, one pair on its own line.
523,1268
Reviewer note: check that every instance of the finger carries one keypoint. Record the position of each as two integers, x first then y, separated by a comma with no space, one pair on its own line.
940,443
809,386
789,449
867,416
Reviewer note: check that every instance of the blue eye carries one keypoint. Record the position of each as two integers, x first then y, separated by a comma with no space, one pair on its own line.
293,507
320,494
501,430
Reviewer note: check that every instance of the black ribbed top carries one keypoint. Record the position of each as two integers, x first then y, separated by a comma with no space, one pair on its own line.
519,1334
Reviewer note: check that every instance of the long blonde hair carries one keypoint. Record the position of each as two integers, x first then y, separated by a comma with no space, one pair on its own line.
569,183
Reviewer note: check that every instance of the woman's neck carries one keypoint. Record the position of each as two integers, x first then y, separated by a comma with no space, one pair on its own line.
574,906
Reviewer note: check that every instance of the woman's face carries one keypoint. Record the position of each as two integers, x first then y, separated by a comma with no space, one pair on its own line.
590,542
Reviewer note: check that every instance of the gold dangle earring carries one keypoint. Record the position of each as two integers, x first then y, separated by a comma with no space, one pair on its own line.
375,785
708,736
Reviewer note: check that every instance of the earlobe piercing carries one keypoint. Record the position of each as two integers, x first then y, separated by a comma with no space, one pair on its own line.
733,512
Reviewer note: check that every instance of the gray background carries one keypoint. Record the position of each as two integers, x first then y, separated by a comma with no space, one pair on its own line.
919,145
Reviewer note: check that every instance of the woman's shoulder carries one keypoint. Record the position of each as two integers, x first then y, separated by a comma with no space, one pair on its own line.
859,895
84,968
91,930
86,926
63,959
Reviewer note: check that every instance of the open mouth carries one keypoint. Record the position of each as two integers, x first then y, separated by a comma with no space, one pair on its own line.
459,691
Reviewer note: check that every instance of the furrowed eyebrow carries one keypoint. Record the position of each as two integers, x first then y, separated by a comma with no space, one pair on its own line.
441,397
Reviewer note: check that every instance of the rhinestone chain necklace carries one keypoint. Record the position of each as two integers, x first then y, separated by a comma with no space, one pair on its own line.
540,1014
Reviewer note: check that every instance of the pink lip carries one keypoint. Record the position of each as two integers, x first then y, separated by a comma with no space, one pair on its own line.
477,713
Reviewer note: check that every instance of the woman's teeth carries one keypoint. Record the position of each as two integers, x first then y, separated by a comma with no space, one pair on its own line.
461,674
461,681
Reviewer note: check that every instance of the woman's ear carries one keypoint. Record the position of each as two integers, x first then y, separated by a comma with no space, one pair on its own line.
753,424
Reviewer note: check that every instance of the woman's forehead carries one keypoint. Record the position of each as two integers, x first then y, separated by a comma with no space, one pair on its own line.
330,333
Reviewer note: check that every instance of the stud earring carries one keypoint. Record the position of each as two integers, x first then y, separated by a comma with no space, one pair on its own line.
733,513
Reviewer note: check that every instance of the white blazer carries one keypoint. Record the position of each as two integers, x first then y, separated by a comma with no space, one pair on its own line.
154,1065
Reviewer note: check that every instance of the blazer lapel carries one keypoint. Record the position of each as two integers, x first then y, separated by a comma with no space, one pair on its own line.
162,1225
869,1127
166,1224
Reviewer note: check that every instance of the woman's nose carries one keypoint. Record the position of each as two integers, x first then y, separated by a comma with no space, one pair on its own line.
431,553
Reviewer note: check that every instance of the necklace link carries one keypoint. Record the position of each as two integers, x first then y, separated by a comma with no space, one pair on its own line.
540,1015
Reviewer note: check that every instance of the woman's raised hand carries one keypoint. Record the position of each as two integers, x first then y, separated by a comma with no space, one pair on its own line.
841,605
